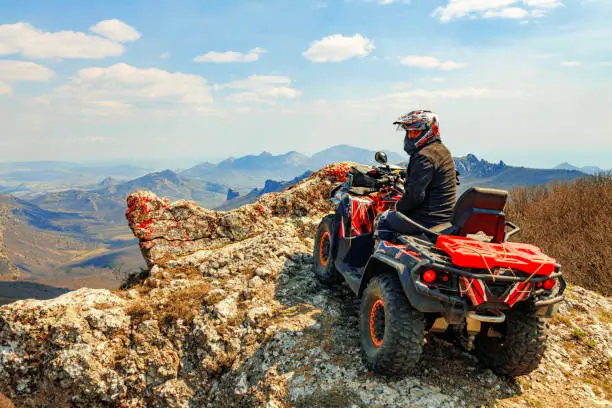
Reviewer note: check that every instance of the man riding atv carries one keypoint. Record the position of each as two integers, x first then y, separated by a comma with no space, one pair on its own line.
430,187
421,263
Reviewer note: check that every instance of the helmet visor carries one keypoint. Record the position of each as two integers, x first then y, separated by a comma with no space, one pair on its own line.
408,126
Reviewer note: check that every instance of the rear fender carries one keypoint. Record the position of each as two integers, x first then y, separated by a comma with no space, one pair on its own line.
334,236
379,264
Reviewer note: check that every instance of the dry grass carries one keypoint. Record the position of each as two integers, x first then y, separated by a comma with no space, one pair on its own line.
139,311
570,222
185,304
337,397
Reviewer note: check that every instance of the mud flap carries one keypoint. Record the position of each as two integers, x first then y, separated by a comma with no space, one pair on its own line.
547,311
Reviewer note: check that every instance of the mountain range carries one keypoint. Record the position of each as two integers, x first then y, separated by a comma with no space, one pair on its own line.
107,201
252,171
583,169
60,248
270,186
478,172
27,179
72,235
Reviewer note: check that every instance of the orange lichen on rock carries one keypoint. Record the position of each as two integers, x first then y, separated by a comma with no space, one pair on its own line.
5,402
175,229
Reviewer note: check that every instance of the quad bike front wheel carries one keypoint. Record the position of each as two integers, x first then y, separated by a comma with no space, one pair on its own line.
324,267
521,346
391,331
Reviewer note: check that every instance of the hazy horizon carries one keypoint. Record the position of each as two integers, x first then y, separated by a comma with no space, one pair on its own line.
161,163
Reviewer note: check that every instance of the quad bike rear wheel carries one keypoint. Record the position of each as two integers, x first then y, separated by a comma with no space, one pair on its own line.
324,267
391,331
520,348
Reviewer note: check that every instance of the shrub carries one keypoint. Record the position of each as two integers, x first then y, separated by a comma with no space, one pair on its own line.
571,222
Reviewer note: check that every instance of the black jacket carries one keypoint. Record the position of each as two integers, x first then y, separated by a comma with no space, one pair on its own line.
431,186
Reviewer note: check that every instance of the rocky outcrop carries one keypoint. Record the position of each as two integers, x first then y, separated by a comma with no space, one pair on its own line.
231,315
471,166
6,265
169,230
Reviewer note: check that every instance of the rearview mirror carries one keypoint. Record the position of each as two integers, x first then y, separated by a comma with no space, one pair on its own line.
381,157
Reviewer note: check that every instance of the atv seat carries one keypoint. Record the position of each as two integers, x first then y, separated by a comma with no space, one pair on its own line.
480,210
477,210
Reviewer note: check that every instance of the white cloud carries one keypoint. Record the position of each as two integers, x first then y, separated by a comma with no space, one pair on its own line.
5,89
384,2
508,12
34,43
495,9
108,108
282,92
450,93
438,79
336,48
605,64
24,71
255,82
41,100
543,4
165,55
400,86
116,30
431,63
571,64
260,89
121,86
244,98
230,56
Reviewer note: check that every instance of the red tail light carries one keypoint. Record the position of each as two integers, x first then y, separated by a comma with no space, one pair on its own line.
429,276
549,284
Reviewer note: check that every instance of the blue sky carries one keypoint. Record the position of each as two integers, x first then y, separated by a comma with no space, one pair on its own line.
524,81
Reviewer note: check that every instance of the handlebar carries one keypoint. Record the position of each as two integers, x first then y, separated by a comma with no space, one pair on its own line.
391,177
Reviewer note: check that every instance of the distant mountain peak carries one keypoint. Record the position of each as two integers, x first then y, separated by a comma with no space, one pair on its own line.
108,181
167,173
583,169
473,166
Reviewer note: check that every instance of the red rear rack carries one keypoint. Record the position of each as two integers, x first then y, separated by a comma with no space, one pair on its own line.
471,253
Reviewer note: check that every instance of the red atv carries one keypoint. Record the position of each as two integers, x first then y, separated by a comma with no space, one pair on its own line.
462,278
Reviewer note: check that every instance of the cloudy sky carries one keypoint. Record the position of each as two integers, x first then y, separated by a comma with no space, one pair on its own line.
524,81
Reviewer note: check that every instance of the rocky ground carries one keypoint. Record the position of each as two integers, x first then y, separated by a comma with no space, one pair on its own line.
231,314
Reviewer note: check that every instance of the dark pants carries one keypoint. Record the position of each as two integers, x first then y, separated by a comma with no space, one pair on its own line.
389,223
